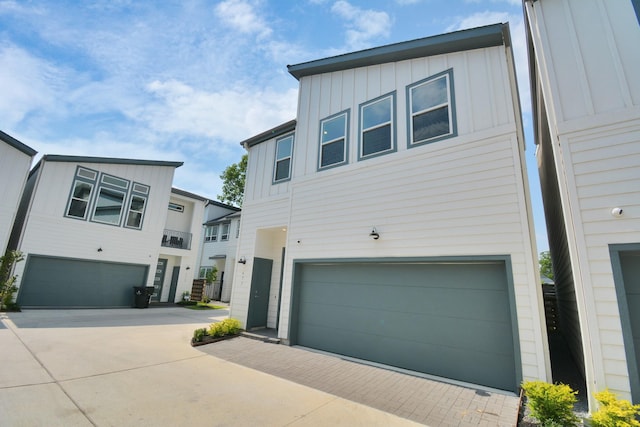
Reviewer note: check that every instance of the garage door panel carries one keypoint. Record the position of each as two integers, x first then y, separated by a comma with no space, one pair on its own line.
450,320
65,282
470,333
439,301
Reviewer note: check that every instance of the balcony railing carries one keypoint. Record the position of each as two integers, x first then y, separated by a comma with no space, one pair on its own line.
176,239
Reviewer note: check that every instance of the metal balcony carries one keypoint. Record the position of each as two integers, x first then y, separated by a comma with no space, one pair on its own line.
176,239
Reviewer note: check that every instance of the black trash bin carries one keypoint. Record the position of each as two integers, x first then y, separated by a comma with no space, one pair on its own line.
141,297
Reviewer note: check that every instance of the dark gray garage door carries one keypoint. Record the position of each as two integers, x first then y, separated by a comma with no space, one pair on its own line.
65,282
447,319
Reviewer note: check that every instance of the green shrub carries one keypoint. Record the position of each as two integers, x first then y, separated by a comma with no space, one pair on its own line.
7,286
551,404
199,334
226,327
614,412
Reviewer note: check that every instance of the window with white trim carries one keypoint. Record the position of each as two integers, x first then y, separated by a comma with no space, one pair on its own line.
377,127
224,235
112,194
137,206
202,274
284,154
431,109
80,198
176,207
333,140
211,233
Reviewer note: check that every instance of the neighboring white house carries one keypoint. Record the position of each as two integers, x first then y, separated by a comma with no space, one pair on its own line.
218,247
391,222
15,161
177,262
91,230
585,68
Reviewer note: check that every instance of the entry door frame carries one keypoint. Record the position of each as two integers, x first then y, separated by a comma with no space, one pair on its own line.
625,319
174,283
258,310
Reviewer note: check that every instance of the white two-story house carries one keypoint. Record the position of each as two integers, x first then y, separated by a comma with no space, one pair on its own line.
91,230
584,67
218,247
391,221
15,162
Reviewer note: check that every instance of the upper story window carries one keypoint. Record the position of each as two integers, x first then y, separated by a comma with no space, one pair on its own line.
211,233
137,205
284,153
111,196
432,109
83,184
333,140
377,126
176,207
108,199
224,235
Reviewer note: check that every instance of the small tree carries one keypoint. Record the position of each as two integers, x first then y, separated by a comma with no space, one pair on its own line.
212,275
7,281
546,268
551,404
233,179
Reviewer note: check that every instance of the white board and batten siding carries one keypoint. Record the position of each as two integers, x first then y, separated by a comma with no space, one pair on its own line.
14,168
587,56
463,196
48,232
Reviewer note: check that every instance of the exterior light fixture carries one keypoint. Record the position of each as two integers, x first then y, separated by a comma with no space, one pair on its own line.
242,260
100,249
374,234
616,212
188,268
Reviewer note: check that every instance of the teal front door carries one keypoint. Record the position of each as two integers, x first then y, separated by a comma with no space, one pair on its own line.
259,298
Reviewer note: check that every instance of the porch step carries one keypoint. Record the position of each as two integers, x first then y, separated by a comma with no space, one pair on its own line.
259,337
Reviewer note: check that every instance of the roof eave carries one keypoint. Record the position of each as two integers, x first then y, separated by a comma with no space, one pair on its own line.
269,134
474,38
17,144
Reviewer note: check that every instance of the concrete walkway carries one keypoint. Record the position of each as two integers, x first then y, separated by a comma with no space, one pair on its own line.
131,367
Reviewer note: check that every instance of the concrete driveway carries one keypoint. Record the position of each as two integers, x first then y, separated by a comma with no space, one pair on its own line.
132,367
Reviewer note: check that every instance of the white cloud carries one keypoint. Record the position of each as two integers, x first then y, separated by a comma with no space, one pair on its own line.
363,25
242,17
229,115
28,84
518,44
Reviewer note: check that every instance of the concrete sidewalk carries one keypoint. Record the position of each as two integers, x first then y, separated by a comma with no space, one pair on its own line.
131,367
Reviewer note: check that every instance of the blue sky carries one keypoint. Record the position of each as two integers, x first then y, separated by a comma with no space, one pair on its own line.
188,80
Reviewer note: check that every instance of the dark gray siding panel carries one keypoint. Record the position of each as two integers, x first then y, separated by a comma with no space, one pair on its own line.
447,319
67,282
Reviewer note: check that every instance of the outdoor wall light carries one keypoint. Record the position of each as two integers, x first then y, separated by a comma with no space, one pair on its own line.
188,268
374,234
99,249
616,212
242,260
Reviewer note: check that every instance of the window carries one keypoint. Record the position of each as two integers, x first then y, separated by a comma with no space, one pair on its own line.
108,208
176,207
377,128
284,151
137,206
431,107
202,274
109,199
211,233
333,140
225,232
80,198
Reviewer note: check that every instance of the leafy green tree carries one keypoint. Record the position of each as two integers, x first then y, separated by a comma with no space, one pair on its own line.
546,268
233,179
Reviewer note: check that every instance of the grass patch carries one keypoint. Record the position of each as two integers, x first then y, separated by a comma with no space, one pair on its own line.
203,306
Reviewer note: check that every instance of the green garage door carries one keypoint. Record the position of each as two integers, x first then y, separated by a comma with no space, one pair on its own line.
451,320
66,282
